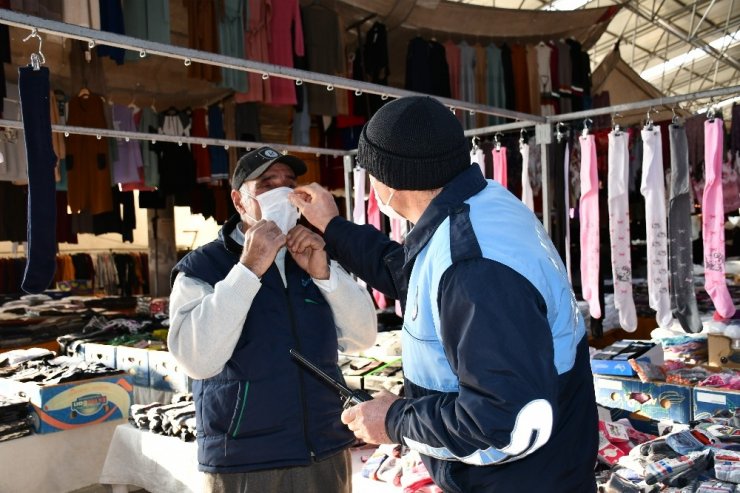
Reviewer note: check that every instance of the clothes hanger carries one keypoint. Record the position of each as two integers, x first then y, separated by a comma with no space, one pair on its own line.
559,134
522,137
475,141
586,122
648,120
37,59
497,141
675,120
615,126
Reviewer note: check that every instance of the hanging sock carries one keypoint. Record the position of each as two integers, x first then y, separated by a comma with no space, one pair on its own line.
42,245
477,157
358,179
683,296
527,194
652,188
713,220
499,165
589,217
619,229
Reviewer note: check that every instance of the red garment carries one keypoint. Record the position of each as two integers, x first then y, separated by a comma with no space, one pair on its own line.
452,52
256,40
521,78
286,38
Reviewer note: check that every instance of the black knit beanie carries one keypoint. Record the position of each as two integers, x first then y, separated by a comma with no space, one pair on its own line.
413,143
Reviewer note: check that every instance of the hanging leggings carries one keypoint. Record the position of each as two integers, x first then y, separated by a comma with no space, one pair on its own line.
680,259
589,217
41,256
527,194
477,157
653,189
499,165
358,211
619,230
713,220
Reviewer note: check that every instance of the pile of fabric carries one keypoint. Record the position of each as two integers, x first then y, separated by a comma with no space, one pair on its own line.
15,420
397,465
702,459
43,367
175,419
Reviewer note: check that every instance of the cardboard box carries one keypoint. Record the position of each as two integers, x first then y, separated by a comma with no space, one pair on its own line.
165,373
655,400
614,360
709,400
98,353
135,362
721,352
74,404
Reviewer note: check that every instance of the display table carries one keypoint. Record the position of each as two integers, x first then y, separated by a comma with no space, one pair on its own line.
162,464
55,462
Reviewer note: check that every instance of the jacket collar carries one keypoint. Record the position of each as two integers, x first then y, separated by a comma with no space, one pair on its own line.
224,235
452,196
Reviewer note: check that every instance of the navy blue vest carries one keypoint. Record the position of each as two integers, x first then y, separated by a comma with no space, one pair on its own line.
264,410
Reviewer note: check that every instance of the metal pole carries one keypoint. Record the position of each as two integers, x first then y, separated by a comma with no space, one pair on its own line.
120,134
666,101
543,136
188,56
349,164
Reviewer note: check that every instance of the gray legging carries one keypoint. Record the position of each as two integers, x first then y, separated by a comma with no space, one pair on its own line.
680,261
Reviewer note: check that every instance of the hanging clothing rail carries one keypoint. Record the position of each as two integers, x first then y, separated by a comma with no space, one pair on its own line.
188,56
666,101
204,141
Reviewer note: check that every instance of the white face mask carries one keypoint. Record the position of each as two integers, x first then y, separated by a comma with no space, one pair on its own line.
276,207
385,207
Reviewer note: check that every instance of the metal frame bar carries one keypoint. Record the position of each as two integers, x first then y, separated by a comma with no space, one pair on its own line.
204,141
188,56
665,101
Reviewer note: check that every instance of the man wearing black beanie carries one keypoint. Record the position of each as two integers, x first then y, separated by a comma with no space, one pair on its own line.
498,388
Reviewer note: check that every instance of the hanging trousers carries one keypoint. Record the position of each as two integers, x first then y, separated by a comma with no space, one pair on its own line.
679,234
619,229
589,221
557,182
527,194
41,256
713,220
499,165
653,189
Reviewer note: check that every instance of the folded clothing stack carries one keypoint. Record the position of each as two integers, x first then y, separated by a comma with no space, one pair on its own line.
175,419
45,368
15,418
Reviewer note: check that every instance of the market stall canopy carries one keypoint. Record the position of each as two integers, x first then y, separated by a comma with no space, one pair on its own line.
454,19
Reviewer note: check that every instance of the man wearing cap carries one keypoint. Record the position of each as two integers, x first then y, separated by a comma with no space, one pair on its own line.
498,389
238,305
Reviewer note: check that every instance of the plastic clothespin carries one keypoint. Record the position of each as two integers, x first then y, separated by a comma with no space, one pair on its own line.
475,141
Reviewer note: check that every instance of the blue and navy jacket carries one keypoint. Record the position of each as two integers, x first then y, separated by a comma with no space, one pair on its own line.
263,410
500,392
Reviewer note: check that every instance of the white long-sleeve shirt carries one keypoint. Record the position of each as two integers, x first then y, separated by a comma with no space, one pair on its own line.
206,322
